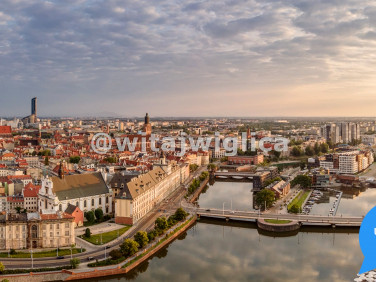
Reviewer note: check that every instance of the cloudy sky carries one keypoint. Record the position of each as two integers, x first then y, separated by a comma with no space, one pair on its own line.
188,58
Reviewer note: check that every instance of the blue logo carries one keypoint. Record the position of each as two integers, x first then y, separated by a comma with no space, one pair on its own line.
367,241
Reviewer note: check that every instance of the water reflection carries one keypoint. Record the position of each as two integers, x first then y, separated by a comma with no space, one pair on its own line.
239,193
238,252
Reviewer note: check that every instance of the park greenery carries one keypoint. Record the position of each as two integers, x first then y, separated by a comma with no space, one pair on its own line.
303,180
296,204
265,198
103,238
42,254
277,221
74,159
95,217
196,183
309,151
141,239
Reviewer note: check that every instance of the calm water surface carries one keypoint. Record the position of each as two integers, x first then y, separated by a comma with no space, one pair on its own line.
216,252
219,251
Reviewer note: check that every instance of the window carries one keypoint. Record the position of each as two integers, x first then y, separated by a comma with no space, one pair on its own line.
57,226
60,207
100,201
51,234
67,225
107,200
76,204
92,202
66,233
85,204
34,231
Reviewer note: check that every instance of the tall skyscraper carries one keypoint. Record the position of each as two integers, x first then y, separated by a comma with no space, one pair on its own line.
34,106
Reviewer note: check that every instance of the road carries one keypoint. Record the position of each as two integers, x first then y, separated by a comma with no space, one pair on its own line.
165,208
351,221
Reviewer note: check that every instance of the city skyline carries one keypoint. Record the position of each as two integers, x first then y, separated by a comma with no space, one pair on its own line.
228,58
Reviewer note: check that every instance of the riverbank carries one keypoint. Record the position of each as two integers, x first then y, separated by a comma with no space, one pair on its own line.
123,268
199,190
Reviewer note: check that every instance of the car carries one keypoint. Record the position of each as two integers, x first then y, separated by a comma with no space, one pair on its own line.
90,258
107,247
208,210
232,212
60,257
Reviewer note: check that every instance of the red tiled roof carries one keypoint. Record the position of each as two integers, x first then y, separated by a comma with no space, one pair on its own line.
31,190
5,129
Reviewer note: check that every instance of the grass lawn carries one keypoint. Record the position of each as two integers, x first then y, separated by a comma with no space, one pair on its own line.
43,254
106,237
299,199
276,221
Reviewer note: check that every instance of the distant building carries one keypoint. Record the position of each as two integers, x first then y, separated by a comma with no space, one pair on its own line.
243,160
147,125
77,214
280,188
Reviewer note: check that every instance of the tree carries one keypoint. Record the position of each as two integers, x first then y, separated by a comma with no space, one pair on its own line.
110,160
99,214
141,238
74,263
295,208
302,165
276,154
46,161
265,196
180,214
129,247
212,167
303,180
18,209
74,159
87,233
316,148
204,175
2,267
151,235
324,148
90,217
193,167
296,151
161,223
309,151
270,181
115,254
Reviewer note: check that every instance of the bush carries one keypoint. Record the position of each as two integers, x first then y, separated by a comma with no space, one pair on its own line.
151,235
2,267
115,254
295,208
141,238
180,214
13,251
129,247
87,233
99,214
74,263
90,217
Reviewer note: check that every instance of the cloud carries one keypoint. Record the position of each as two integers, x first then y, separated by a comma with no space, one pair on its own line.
130,52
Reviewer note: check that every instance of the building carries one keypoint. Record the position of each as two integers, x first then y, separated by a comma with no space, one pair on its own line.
30,195
243,160
86,191
280,188
5,131
77,214
348,164
147,126
143,193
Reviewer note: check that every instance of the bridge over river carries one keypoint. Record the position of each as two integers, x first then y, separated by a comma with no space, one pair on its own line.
314,220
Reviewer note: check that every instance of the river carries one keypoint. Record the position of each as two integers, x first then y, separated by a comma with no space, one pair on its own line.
219,251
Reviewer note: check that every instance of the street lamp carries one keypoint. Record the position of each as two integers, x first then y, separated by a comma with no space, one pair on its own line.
223,208
32,261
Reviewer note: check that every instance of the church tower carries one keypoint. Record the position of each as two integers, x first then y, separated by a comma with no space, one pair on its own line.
147,125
